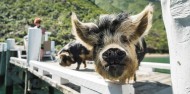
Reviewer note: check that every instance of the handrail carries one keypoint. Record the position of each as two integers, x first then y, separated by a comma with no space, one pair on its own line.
58,75
155,65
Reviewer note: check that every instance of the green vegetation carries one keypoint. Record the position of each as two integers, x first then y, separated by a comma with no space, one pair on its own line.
17,15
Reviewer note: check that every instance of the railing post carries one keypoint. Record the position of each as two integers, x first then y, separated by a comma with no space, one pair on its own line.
34,44
3,49
176,18
47,35
26,83
8,79
33,52
51,90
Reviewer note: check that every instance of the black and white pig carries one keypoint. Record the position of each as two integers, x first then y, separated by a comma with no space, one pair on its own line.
114,39
74,52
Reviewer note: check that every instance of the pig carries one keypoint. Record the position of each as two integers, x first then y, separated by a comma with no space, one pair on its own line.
114,39
74,52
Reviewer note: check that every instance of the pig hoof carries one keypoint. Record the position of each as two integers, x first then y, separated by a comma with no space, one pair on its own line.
77,68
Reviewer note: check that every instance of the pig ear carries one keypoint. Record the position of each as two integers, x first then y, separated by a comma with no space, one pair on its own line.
142,23
84,32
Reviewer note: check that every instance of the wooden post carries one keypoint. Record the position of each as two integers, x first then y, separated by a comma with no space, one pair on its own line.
176,18
34,44
47,35
26,82
2,62
51,90
33,52
8,81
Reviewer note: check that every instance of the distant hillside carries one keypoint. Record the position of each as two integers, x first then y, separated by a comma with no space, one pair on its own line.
156,39
17,15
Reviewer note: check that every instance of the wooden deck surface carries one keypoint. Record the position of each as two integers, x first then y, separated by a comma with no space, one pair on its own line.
147,82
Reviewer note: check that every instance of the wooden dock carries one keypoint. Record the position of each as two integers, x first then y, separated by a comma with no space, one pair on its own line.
70,81
148,81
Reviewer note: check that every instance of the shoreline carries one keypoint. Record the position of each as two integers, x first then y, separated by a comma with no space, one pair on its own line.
156,55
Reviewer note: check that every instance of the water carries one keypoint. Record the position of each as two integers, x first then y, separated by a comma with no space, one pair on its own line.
164,59
1,90
17,90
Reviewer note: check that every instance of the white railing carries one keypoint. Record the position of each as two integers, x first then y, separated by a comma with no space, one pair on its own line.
90,84
155,65
22,63
3,46
58,76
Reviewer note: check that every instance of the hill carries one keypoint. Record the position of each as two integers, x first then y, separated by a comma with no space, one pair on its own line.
17,15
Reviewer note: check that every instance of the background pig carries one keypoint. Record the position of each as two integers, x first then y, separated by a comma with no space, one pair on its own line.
73,52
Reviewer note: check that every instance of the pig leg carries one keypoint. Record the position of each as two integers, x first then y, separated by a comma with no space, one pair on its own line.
78,65
122,80
84,64
135,77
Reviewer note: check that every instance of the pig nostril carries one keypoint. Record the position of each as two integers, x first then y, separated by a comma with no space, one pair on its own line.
113,55
109,53
121,54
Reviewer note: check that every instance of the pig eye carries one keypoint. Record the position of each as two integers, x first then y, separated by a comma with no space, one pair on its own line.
98,46
124,39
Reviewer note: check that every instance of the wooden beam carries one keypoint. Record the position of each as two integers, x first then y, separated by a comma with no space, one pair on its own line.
8,80
155,65
176,18
34,44
51,90
3,48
